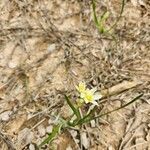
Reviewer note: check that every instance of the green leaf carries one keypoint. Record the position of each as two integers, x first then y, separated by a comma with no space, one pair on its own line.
101,21
94,13
121,11
74,109
86,117
133,100
104,16
51,136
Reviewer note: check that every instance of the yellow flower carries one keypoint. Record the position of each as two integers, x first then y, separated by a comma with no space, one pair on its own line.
87,95
81,88
91,96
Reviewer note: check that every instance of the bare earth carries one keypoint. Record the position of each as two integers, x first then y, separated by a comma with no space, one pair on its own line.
47,47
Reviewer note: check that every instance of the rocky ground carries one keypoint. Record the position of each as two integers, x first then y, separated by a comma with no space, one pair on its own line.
49,46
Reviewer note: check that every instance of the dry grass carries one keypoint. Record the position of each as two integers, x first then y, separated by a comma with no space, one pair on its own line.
46,47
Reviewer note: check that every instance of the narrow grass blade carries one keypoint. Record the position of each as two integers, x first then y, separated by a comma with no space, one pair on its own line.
102,21
74,109
121,11
133,100
86,117
104,16
94,13
51,136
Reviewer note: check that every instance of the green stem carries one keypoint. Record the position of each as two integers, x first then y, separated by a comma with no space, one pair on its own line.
74,109
122,9
52,135
89,119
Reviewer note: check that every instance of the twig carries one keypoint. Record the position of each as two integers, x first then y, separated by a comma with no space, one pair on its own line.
7,141
126,85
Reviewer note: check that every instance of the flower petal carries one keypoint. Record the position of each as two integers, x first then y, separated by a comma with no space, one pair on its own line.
77,88
95,103
81,87
82,95
97,96
93,90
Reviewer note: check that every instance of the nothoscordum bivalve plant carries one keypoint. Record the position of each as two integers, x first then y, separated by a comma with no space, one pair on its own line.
79,117
87,95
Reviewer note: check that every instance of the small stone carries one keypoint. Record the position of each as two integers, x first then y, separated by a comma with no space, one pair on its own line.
69,148
73,133
5,115
49,129
51,47
41,130
12,65
31,147
49,121
110,148
84,140
25,137
134,2
93,123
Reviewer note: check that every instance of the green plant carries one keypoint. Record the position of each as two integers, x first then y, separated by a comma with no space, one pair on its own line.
100,22
80,117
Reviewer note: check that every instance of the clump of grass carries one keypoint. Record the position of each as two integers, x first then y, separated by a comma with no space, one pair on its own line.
78,118
100,21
